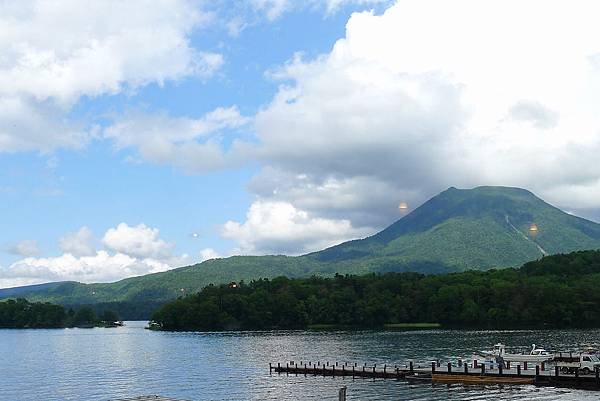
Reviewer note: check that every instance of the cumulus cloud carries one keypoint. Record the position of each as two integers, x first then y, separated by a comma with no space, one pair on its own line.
100,267
96,48
130,251
190,144
138,241
25,248
208,254
278,227
80,243
411,102
273,9
534,113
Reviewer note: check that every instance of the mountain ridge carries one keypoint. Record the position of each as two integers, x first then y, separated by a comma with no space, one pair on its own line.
458,229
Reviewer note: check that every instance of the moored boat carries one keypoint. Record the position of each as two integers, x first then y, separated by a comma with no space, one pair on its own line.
536,355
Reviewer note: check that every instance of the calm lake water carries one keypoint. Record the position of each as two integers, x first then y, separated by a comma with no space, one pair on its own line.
103,364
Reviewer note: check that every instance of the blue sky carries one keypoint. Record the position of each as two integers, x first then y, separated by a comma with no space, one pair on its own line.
137,138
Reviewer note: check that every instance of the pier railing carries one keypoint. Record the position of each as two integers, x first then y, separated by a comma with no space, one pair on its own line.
468,372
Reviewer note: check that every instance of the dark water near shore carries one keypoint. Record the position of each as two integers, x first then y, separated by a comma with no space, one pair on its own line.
103,364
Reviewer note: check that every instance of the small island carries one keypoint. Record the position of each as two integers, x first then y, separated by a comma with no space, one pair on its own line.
22,314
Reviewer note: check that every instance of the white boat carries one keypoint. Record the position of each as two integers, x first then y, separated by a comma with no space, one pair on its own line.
535,355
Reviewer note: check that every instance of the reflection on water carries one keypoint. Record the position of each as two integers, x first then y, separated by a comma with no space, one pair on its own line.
100,364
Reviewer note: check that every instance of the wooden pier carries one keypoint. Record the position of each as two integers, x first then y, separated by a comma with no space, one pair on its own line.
467,373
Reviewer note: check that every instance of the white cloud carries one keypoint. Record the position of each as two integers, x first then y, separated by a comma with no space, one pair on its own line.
190,144
25,248
208,254
95,48
273,8
80,243
278,227
139,241
331,6
100,267
130,251
534,113
411,102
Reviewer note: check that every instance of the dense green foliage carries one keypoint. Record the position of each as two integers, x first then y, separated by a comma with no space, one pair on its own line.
20,313
457,230
554,292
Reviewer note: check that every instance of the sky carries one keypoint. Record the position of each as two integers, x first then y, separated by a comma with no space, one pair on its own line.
140,136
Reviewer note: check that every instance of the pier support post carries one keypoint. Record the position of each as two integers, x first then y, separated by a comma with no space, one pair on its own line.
597,371
519,370
483,368
342,394
543,366
384,369
343,370
466,368
556,370
524,365
432,367
474,363
410,367
449,367
353,368
270,367
500,369
373,370
439,363
333,369
537,371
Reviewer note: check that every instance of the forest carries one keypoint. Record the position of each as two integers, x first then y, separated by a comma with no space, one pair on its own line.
559,291
20,314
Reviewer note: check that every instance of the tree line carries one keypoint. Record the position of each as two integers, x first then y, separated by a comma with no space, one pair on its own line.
21,313
557,291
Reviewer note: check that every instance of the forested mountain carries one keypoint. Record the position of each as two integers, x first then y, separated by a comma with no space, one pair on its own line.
555,292
459,229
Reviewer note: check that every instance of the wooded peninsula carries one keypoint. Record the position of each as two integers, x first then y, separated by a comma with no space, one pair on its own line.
21,314
557,291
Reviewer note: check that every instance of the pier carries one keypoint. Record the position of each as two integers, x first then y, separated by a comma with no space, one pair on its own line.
460,372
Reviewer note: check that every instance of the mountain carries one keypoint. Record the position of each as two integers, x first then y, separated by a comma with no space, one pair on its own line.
459,229
476,228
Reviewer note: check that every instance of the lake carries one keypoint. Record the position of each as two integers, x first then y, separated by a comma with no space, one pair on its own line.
103,364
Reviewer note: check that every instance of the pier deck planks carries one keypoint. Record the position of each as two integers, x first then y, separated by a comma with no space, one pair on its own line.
545,377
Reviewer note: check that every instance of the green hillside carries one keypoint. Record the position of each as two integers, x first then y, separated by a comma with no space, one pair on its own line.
480,228
476,228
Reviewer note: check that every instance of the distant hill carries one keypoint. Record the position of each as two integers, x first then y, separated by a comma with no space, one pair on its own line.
459,229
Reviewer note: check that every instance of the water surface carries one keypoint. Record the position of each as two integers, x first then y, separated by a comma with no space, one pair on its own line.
103,364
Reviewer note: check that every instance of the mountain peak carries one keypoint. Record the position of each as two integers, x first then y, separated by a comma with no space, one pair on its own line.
481,227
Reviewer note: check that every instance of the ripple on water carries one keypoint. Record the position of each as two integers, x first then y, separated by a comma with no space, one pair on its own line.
100,364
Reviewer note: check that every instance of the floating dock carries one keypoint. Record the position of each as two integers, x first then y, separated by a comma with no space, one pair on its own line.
467,373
